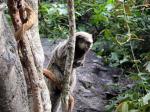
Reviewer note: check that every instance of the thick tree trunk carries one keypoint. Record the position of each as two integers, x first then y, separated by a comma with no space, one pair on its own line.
38,54
32,56
13,90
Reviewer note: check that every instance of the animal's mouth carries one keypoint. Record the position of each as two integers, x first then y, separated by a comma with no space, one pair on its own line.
86,49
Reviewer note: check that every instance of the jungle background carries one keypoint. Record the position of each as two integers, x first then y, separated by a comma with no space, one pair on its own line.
121,32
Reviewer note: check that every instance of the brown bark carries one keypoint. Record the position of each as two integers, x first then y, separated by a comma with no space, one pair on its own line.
146,2
38,54
27,55
13,95
41,99
70,55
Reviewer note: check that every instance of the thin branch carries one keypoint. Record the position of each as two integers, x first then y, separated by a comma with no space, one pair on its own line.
70,56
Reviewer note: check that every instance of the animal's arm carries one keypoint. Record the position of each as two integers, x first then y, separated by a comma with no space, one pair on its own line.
79,62
52,78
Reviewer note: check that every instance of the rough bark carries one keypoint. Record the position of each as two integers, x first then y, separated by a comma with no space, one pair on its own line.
70,55
147,2
32,58
27,55
13,95
38,54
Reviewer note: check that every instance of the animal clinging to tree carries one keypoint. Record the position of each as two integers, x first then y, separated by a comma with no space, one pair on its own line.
55,71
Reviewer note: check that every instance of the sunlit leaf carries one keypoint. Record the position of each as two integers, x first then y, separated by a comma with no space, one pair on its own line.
123,107
146,98
134,111
125,59
147,66
109,7
114,56
107,34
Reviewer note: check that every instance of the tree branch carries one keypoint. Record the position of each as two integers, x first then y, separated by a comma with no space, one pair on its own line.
70,56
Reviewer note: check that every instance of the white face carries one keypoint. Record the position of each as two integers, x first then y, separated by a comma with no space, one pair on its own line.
83,44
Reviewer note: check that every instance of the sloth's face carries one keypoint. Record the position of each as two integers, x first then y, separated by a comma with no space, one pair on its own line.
83,44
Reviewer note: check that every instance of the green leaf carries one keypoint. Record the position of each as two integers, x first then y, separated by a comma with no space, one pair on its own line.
133,111
146,98
125,59
147,66
109,7
97,18
114,56
123,107
110,1
107,34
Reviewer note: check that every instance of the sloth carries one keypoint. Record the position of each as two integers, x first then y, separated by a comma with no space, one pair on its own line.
56,67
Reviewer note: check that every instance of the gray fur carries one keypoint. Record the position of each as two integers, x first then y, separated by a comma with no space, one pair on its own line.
57,66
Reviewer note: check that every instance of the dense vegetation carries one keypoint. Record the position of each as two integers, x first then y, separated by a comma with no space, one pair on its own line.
121,30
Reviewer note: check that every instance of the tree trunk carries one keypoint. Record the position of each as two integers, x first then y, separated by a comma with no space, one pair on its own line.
38,54
13,90
32,56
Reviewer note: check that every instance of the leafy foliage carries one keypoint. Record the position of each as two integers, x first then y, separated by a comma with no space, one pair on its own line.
53,20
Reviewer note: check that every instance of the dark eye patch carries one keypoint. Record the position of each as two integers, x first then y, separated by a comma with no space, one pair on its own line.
80,39
89,43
